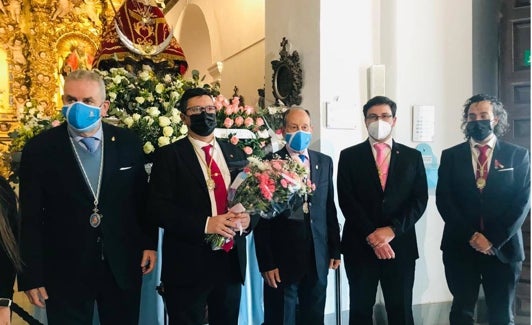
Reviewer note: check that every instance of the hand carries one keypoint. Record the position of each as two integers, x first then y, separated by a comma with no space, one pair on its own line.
272,277
384,252
37,296
334,264
222,225
5,316
380,237
481,244
149,257
243,219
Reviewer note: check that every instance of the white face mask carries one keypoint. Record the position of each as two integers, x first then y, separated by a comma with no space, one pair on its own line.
379,130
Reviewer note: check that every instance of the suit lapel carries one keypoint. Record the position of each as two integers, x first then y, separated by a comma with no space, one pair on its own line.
368,161
110,157
315,167
464,165
190,156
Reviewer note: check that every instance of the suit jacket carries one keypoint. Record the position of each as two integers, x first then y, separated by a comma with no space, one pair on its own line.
8,205
179,202
59,247
286,243
503,204
366,206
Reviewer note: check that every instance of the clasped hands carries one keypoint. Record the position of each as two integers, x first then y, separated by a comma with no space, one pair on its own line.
379,240
228,224
481,244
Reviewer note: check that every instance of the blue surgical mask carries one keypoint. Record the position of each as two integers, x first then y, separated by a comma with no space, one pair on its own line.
298,141
81,117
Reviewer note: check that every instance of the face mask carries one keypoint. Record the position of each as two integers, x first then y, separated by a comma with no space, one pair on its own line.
81,117
379,130
298,141
479,130
203,124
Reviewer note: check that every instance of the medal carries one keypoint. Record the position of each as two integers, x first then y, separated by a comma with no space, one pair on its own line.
481,183
95,219
210,184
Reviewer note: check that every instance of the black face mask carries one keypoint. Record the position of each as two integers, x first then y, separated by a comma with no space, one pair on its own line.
479,130
203,124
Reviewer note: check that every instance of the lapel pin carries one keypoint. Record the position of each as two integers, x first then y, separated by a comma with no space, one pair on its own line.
231,155
113,138
316,166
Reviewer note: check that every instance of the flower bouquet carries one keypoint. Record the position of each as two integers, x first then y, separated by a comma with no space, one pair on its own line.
267,188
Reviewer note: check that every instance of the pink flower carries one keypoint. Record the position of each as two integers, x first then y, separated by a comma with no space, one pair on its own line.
235,101
284,183
248,150
248,121
228,122
239,120
259,121
276,165
234,139
249,110
228,245
229,110
55,123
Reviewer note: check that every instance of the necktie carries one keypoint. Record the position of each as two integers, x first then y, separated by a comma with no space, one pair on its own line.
382,162
220,192
482,173
90,143
302,157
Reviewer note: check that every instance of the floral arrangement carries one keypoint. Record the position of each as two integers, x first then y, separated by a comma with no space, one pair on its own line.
268,188
232,115
146,103
274,118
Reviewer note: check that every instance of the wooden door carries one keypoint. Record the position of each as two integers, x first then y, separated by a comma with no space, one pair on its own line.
514,88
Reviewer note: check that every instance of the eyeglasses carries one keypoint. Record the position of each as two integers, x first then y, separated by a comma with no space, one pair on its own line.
198,109
375,117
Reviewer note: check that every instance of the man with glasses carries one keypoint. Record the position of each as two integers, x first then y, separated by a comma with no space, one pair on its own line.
483,195
382,192
188,198
82,196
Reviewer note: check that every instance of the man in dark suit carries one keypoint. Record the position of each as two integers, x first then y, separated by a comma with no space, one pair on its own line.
188,198
82,187
483,195
382,192
296,249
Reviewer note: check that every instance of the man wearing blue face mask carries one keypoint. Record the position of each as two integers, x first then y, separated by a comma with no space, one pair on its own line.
382,191
83,236
483,195
296,249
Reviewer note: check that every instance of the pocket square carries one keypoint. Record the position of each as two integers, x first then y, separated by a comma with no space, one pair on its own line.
505,169
126,168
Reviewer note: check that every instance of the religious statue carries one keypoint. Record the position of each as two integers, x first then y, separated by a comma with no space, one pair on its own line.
78,58
139,35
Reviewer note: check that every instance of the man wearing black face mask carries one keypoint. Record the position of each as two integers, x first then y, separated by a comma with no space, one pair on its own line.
483,195
188,198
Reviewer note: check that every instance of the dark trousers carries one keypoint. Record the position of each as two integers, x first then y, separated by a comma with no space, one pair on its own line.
280,304
397,281
466,271
186,304
115,305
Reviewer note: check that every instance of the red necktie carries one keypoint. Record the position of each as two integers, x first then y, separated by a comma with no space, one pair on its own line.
482,165
382,162
220,192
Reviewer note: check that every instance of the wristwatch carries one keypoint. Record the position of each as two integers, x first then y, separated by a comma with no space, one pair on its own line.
5,302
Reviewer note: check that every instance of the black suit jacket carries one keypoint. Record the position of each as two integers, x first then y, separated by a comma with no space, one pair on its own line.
179,202
286,244
59,247
503,204
366,206
8,206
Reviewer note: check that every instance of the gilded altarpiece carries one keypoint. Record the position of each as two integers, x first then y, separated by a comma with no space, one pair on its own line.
40,42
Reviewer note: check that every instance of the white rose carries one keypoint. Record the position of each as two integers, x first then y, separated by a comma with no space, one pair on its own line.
168,131
183,129
148,120
163,141
167,78
174,112
175,119
117,79
144,75
136,117
128,121
174,95
140,100
263,134
150,99
159,88
146,68
153,111
164,121
148,148
112,96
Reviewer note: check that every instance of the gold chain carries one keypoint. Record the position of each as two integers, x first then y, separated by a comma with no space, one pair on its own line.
210,181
